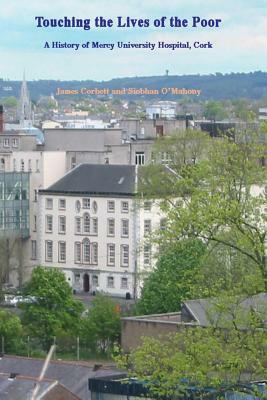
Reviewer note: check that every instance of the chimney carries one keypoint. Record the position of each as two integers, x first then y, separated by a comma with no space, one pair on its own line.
1,118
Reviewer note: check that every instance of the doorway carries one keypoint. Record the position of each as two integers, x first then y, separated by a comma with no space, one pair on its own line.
86,285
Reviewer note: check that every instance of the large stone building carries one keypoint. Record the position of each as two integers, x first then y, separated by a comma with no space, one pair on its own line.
93,227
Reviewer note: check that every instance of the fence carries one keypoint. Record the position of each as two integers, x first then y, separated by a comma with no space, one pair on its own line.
69,348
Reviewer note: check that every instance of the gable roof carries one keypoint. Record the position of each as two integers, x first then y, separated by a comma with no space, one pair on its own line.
72,375
207,312
104,179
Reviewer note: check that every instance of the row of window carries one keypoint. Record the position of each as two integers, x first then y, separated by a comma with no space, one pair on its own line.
86,205
21,165
84,252
85,225
7,142
110,281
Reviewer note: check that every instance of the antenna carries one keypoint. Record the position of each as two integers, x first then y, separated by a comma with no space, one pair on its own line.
42,374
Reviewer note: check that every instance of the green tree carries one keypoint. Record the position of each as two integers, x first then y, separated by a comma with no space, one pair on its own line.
174,278
214,356
101,327
214,110
219,200
54,310
11,331
10,102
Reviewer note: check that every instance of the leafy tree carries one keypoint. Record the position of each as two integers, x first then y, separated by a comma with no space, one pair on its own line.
101,327
219,200
174,278
214,356
54,310
214,110
11,330
10,102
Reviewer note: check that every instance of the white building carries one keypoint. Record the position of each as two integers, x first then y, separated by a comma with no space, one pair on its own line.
87,228
44,169
92,227
163,109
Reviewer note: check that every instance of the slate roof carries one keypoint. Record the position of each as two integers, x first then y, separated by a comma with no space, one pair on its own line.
104,179
21,388
205,311
74,376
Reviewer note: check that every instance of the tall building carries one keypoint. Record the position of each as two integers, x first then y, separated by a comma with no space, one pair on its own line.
25,114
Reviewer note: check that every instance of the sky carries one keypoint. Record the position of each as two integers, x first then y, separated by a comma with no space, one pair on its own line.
239,44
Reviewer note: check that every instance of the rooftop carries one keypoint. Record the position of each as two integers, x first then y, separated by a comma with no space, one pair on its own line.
96,179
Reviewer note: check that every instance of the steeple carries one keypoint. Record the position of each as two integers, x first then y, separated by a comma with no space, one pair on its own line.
25,114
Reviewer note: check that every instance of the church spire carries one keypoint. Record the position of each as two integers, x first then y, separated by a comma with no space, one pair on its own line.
24,108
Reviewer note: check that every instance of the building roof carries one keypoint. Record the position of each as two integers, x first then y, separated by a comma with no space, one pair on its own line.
72,375
22,387
206,312
96,179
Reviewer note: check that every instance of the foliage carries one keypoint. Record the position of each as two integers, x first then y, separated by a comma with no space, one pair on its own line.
10,102
203,357
174,278
11,330
213,111
219,200
54,310
101,327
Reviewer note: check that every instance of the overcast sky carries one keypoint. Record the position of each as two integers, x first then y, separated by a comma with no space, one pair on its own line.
240,45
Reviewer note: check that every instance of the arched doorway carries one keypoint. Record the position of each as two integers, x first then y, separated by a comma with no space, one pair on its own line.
86,285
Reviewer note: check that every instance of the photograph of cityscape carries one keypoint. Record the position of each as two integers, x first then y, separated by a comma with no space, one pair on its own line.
133,200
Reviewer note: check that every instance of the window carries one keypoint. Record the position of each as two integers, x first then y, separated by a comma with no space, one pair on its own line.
2,164
124,283
73,162
86,251
34,250
62,251
78,252
139,158
62,204
37,166
95,280
6,142
35,223
110,282
111,227
77,278
14,142
35,195
147,254
14,164
111,254
49,204
22,165
86,203
78,225
62,224
86,223
147,227
163,224
111,206
94,253
94,207
29,165
78,206
147,205
124,206
94,226
48,250
124,255
49,223
125,228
